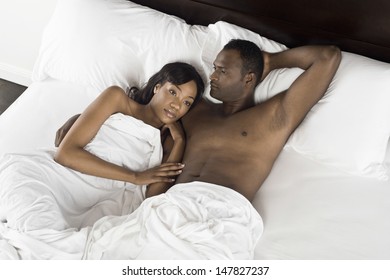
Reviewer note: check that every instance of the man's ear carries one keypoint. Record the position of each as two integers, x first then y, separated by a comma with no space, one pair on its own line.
250,78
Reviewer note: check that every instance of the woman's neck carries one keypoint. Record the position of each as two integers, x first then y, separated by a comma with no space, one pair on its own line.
146,114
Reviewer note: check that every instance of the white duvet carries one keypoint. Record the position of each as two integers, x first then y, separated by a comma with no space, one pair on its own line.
39,197
48,211
194,220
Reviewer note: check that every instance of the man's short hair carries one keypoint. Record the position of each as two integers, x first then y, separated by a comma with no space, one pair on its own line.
251,55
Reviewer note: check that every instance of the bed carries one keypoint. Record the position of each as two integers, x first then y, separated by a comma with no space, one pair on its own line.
328,194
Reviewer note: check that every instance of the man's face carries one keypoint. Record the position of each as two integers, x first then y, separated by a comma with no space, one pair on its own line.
226,81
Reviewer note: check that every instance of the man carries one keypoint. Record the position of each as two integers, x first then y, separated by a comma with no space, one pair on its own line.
235,144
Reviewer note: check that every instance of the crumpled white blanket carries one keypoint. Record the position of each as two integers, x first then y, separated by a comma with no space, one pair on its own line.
194,220
43,204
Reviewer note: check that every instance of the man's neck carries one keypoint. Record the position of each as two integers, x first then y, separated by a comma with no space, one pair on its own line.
230,108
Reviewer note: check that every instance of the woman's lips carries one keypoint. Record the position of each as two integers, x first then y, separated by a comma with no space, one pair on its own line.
170,114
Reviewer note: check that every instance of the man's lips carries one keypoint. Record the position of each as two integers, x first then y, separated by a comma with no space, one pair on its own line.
213,87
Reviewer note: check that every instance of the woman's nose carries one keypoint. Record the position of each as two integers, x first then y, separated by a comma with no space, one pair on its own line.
175,105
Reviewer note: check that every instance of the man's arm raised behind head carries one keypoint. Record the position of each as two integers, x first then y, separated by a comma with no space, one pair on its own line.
320,64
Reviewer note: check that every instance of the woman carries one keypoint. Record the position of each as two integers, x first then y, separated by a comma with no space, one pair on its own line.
106,160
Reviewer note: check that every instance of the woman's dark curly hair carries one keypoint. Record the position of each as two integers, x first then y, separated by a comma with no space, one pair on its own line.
177,73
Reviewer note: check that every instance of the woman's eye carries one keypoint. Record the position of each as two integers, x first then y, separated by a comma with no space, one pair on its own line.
172,92
188,104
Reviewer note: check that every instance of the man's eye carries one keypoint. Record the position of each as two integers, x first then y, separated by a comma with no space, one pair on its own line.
172,92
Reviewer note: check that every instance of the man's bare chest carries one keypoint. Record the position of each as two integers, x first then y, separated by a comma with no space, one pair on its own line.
213,133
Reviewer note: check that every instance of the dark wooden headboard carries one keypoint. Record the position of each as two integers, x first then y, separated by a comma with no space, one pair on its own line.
358,26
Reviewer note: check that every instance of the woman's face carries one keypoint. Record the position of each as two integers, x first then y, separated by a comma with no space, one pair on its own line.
171,102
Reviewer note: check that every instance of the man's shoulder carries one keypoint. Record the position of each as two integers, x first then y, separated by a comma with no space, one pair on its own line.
208,104
203,107
200,115
263,108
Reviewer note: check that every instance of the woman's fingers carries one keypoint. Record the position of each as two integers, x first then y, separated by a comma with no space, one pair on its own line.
162,173
171,166
169,169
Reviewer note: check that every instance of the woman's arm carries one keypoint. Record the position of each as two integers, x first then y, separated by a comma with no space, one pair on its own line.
173,146
71,151
63,130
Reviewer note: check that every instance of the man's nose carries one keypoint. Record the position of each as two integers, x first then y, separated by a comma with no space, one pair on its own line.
213,76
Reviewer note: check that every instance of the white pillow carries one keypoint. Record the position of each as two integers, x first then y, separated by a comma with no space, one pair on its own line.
113,42
350,127
221,33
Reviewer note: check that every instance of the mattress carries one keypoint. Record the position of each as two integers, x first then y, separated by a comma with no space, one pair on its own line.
313,211
327,196
310,210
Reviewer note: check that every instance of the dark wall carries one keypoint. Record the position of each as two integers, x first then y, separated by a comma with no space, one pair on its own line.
358,26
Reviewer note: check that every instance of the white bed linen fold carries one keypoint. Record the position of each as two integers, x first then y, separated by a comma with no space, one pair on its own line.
39,195
44,244
194,220
313,211
310,211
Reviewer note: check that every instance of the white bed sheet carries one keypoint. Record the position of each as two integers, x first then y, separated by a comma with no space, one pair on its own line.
310,211
32,120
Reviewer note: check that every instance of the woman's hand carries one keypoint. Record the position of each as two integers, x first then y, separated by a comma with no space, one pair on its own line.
173,139
176,131
164,173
